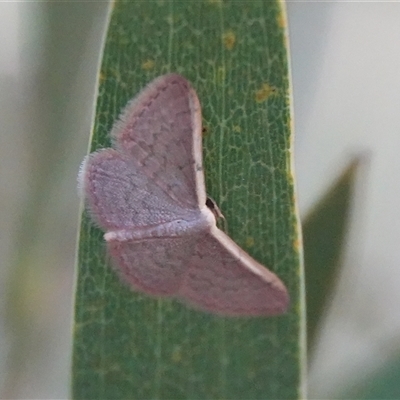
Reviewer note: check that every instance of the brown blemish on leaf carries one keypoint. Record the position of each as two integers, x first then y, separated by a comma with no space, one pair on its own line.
282,21
265,92
229,39
249,241
297,244
148,64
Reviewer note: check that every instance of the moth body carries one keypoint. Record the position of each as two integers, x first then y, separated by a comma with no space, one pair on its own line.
202,221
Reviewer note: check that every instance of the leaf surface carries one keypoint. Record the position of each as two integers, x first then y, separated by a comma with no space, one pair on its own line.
128,345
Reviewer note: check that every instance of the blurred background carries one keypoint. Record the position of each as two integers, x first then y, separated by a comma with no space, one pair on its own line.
346,81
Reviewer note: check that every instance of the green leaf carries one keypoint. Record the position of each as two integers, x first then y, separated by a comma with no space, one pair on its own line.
324,234
128,345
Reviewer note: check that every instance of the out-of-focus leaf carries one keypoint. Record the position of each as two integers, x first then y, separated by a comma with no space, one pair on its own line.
382,384
128,345
324,233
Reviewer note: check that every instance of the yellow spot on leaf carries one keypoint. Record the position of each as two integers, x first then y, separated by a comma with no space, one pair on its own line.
148,64
102,77
250,242
229,39
297,244
265,91
282,21
176,355
221,74
237,128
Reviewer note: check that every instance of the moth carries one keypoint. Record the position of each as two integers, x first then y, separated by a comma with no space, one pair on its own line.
147,193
